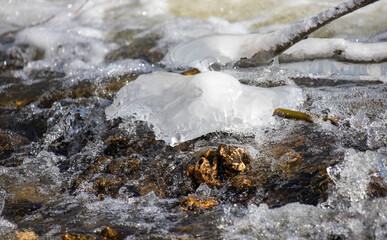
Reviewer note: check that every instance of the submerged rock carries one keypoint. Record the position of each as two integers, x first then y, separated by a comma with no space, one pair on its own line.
138,48
25,235
377,187
194,203
225,163
205,170
11,142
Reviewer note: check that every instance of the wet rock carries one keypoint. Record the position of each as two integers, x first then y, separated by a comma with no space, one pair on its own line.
16,210
138,48
225,163
206,170
108,233
234,160
193,71
244,182
108,88
51,88
377,188
10,143
152,185
31,93
299,170
24,235
122,145
20,121
79,236
194,203
17,56
129,164
108,175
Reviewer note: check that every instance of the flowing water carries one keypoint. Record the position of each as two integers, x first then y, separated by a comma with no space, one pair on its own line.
77,162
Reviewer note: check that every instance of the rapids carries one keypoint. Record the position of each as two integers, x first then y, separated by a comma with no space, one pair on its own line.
103,137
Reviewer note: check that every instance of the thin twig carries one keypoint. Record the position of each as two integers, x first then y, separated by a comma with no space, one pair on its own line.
80,7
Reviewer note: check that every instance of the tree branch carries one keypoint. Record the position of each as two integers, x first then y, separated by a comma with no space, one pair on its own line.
290,35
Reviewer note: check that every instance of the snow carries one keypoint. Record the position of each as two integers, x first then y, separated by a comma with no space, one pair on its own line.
182,108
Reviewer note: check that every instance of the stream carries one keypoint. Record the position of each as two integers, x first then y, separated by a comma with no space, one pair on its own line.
108,130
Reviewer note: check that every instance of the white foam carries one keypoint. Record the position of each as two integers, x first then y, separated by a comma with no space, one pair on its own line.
185,107
353,176
178,30
63,39
6,228
348,213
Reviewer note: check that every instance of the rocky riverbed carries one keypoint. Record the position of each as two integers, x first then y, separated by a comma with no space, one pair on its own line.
69,169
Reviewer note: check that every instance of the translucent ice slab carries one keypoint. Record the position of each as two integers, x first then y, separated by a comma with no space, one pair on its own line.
181,107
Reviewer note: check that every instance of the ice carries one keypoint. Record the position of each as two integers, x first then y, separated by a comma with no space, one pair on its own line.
329,68
222,48
225,48
18,13
185,107
337,48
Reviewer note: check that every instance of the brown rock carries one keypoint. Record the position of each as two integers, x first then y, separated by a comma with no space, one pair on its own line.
234,160
243,182
152,186
108,185
108,233
297,169
225,163
377,187
194,203
108,175
205,170
11,142
25,235
78,236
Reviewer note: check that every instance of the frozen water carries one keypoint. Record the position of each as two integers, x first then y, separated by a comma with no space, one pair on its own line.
205,51
185,107
222,49
341,49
